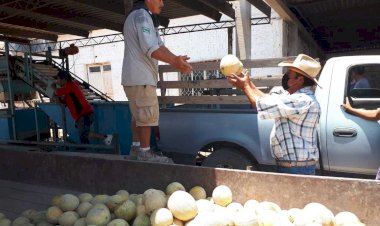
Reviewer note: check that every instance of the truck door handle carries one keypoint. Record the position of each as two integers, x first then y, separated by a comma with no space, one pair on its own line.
345,132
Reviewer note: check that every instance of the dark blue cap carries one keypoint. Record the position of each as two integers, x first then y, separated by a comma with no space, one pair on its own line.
64,75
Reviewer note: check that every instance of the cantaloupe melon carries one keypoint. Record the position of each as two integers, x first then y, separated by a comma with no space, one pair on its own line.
80,222
52,214
85,197
68,202
230,64
126,211
222,195
174,186
161,217
141,220
153,199
345,217
99,199
83,209
203,205
118,222
114,201
5,222
124,194
198,192
20,221
99,215
182,205
68,218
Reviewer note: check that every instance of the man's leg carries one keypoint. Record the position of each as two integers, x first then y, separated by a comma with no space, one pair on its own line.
135,131
83,130
130,93
88,121
146,115
145,132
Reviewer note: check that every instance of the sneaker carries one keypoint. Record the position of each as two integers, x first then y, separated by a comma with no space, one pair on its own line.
108,140
150,156
134,152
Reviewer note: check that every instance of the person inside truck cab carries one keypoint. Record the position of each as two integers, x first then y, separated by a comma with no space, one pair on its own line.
296,113
358,78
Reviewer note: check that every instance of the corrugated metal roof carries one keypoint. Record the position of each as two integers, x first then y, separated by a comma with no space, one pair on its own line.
336,25
78,17
340,25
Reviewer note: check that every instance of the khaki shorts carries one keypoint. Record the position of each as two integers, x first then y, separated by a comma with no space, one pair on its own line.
143,104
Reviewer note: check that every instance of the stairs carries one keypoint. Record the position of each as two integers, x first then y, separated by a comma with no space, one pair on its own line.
42,75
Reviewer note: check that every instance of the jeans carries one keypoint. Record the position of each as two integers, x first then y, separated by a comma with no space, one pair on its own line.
83,124
306,170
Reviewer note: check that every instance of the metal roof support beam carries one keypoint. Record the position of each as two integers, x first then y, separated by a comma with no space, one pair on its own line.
112,6
200,7
284,12
24,6
47,26
262,6
80,19
222,6
28,34
38,21
243,29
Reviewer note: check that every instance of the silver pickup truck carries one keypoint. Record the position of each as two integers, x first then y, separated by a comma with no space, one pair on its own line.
232,136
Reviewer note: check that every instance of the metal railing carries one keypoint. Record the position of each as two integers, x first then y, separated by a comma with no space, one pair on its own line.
99,93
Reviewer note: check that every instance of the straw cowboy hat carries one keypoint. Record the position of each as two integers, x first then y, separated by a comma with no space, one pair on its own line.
304,65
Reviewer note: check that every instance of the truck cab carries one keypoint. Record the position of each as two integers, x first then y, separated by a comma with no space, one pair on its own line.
349,143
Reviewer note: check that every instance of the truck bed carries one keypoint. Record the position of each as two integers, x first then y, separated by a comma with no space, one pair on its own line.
96,174
15,197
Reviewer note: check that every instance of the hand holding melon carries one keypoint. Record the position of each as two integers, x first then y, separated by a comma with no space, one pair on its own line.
230,64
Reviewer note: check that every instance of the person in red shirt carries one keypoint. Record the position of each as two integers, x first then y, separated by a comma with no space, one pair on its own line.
70,94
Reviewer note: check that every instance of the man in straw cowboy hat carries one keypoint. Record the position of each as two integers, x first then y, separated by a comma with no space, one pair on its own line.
295,111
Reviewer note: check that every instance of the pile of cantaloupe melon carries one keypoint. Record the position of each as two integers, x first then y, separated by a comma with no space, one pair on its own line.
175,207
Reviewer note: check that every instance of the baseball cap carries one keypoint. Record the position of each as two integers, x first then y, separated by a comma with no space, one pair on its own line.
64,75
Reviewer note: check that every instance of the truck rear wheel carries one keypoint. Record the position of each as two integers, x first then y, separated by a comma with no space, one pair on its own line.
228,158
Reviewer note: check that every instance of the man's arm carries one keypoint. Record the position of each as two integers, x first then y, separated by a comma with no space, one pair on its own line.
179,62
372,115
58,95
244,83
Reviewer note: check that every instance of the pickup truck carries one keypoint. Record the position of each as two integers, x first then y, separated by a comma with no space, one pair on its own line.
233,136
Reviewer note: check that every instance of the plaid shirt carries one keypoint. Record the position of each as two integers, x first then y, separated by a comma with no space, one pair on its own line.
296,116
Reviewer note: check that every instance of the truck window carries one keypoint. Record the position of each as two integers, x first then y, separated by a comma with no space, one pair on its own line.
363,86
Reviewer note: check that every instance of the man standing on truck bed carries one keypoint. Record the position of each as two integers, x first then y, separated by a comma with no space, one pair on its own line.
143,49
295,111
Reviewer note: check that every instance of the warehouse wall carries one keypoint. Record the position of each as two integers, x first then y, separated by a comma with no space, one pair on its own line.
200,46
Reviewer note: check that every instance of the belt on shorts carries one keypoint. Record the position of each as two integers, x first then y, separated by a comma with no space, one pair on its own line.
295,163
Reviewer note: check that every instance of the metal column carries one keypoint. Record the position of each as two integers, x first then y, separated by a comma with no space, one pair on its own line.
10,93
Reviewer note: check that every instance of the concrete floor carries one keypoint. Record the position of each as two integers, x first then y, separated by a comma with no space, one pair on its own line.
16,197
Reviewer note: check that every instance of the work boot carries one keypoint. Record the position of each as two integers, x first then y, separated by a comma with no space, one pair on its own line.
134,152
150,156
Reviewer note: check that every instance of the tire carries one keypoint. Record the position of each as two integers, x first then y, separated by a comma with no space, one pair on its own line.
228,158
